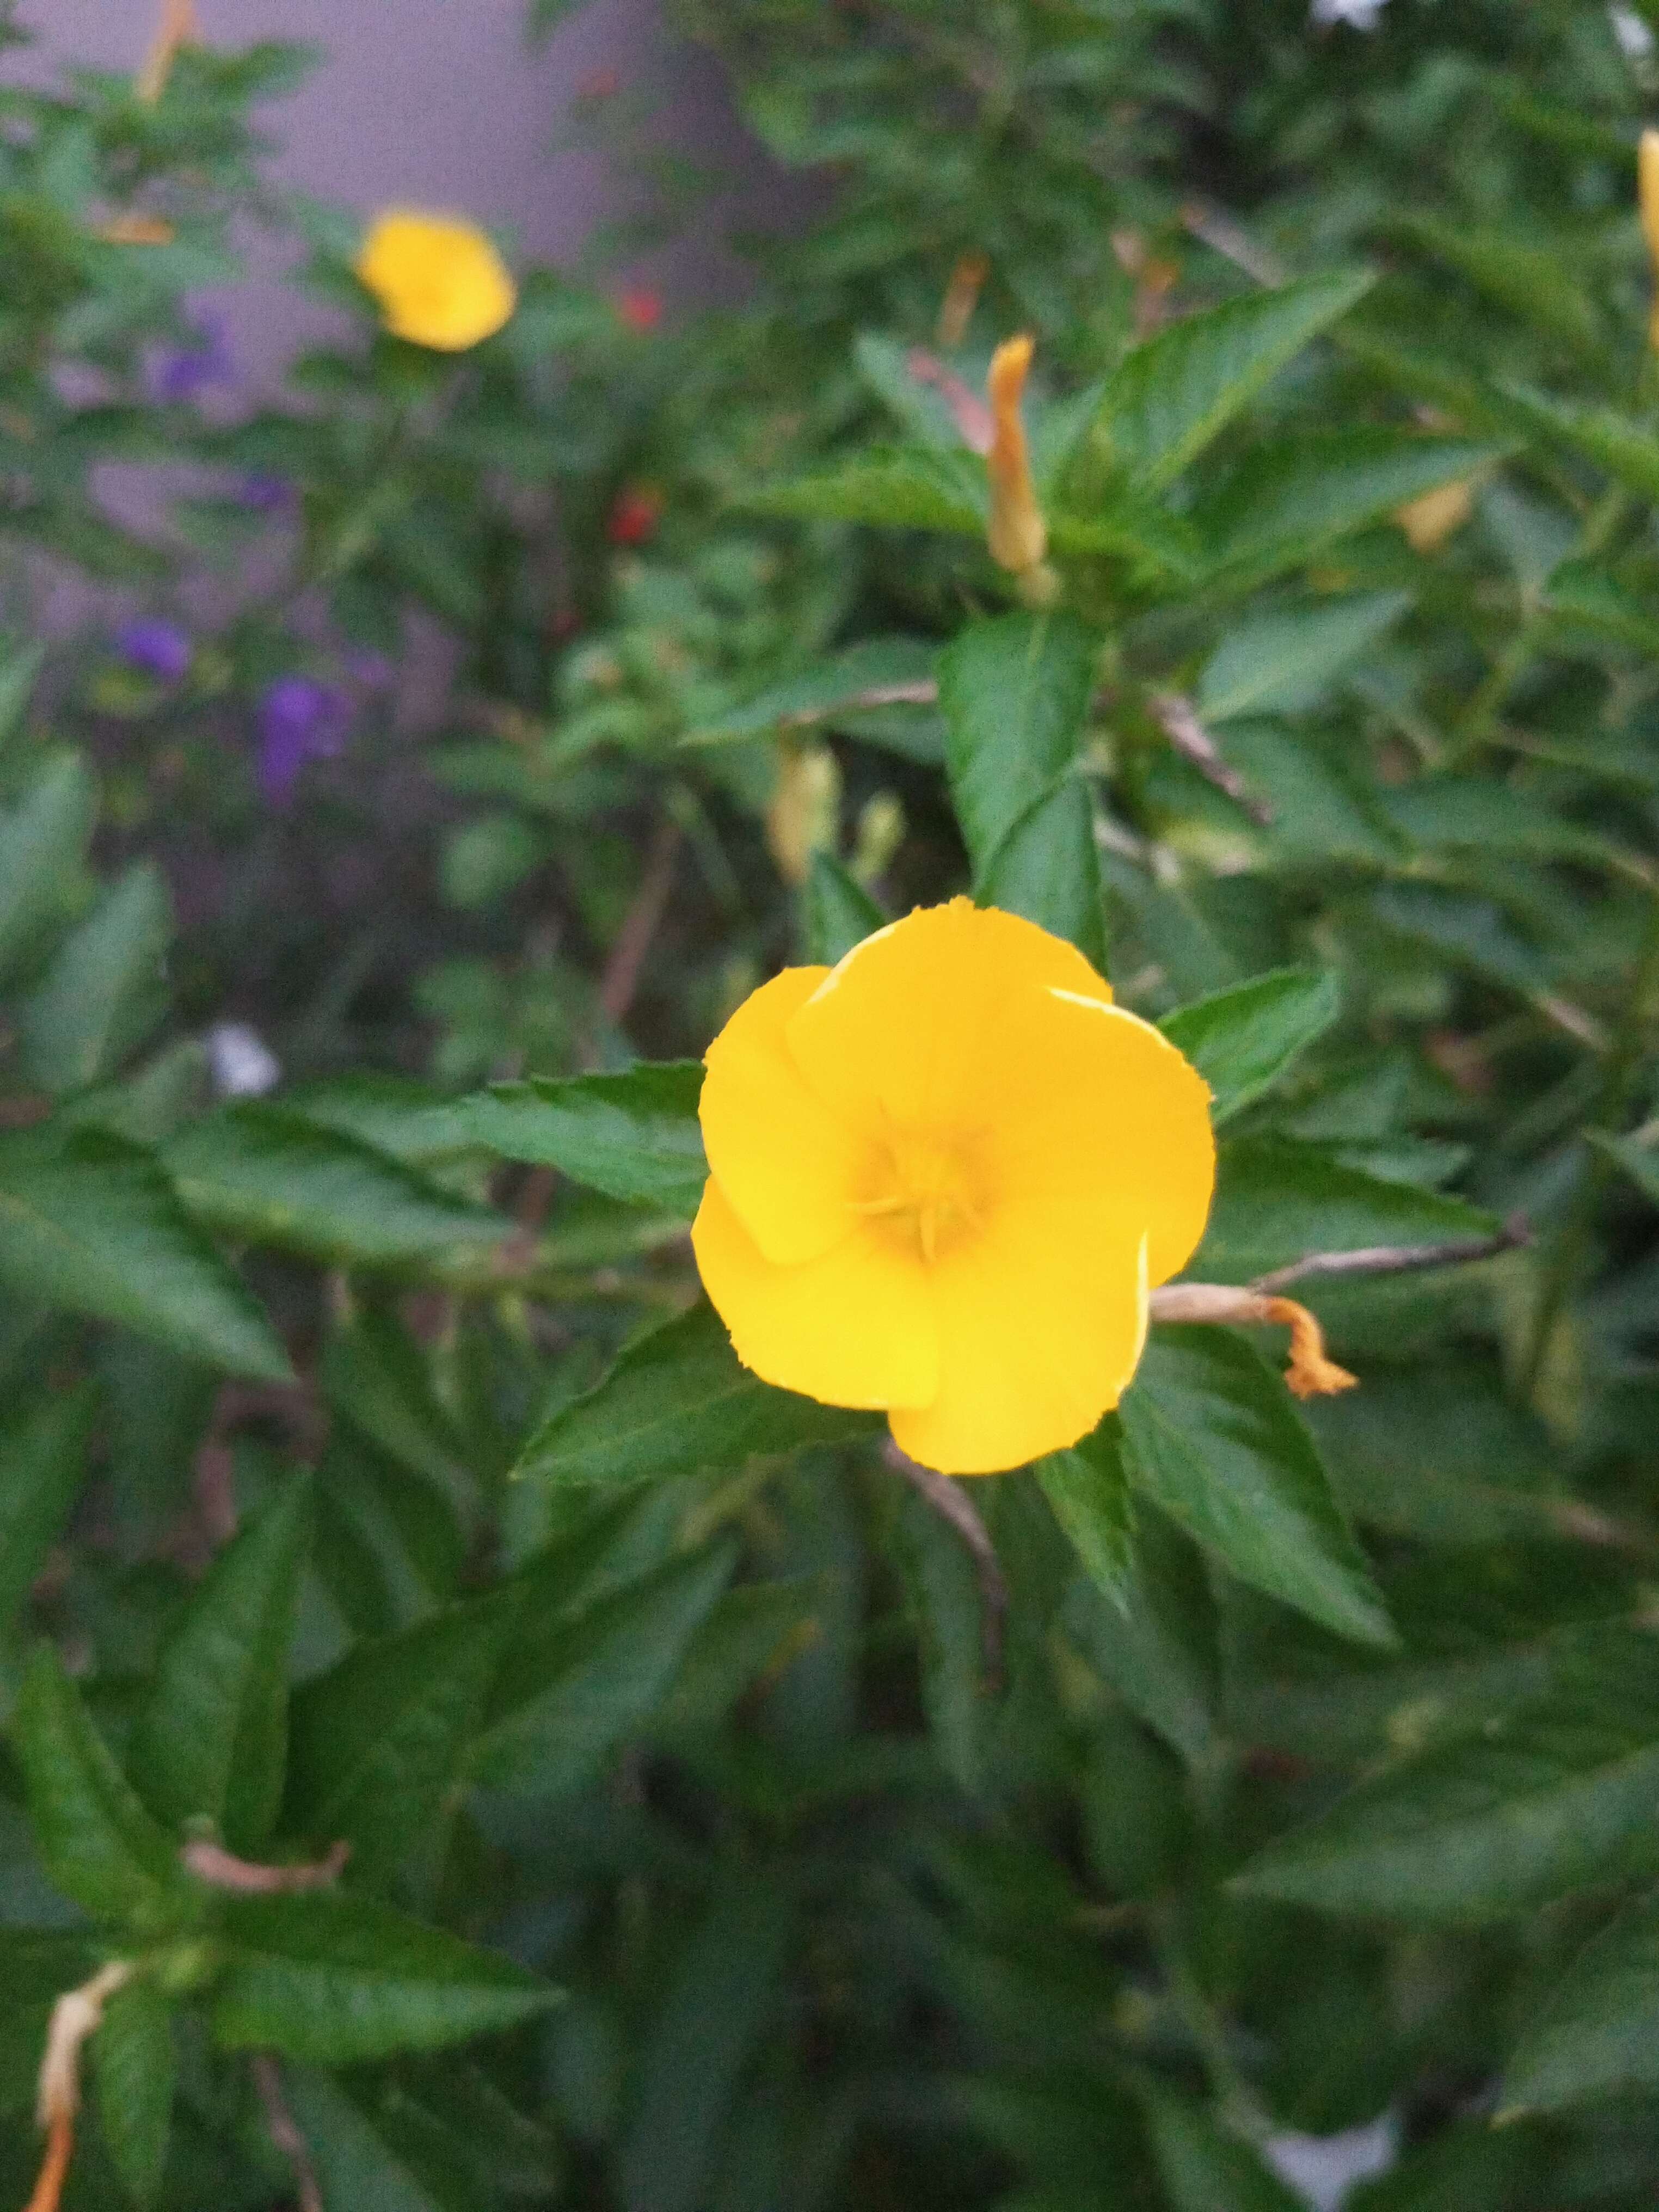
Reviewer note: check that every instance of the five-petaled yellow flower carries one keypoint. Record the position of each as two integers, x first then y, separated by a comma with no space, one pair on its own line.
944,1175
439,281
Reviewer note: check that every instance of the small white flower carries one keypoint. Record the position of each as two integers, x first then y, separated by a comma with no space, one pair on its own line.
1636,40
1362,14
240,1064
1322,2169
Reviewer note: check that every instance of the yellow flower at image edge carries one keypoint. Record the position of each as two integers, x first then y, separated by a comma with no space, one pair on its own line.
439,281
943,1176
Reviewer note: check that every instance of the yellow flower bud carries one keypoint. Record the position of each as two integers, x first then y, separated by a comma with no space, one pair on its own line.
439,280
1647,193
806,810
960,297
1017,534
177,27
1430,519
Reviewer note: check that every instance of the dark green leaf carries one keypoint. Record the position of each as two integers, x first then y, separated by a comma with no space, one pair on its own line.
1089,1490
1153,1638
1283,663
899,488
333,1980
1277,1200
1243,1040
268,1173
634,1136
1206,2170
1626,449
42,841
678,1400
103,990
97,1842
91,1223
1047,869
213,1737
843,680
947,1608
1215,1438
375,1374
839,912
135,2067
43,1450
1598,2034
1015,695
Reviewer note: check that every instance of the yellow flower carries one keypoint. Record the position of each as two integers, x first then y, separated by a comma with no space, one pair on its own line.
1018,535
1647,193
943,1176
439,281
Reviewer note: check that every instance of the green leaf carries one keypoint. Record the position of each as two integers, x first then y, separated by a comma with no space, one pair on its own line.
1639,1163
268,1173
91,1223
1277,1200
1015,695
1205,2169
1215,1439
675,1401
1627,450
1152,1636
575,1687
1047,869
1088,1488
334,1980
96,1841
1598,2034
843,680
947,1607
379,1742
1533,280
103,990
839,913
1283,663
1585,598
18,671
43,1457
634,1136
43,841
411,1121
1243,1040
1295,495
1173,395
900,487
358,2168
923,409
1559,1795
213,1736
135,2068
376,1375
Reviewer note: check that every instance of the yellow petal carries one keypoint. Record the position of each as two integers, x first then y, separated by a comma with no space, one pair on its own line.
854,1328
439,281
910,1027
1037,1340
784,1160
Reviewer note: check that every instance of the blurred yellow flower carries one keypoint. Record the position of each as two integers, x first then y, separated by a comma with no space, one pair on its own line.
943,1176
1647,194
1434,516
440,282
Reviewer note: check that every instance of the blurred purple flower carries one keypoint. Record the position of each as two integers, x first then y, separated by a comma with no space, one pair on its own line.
264,491
160,648
370,669
300,720
185,371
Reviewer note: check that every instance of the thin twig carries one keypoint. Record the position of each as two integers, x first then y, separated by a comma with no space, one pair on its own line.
222,1869
948,1499
284,2130
621,978
1397,1258
924,692
1224,235
1178,719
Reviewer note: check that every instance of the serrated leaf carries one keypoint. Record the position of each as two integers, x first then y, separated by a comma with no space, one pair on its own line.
103,989
572,1688
42,1452
1560,1793
634,1136
1047,869
270,1175
379,1742
1598,2034
334,1980
1215,1439
898,488
1243,1040
1152,1636
91,1223
1014,693
43,841
1277,1200
1176,392
678,1400
838,912
1283,663
96,1841
213,1736
135,2068
839,681
1088,1488
411,1121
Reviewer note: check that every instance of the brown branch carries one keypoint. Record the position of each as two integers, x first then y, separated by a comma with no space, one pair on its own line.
947,1497
1224,236
621,978
1178,719
922,693
222,1869
284,2130
1397,1258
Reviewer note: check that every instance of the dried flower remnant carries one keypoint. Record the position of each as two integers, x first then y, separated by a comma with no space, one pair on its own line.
944,1175
438,280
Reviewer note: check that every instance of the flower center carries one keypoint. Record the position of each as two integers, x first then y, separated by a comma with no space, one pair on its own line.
927,1193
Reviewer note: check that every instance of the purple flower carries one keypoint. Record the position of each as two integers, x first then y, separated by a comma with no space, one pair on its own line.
264,492
160,648
185,371
300,720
